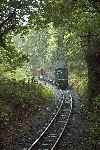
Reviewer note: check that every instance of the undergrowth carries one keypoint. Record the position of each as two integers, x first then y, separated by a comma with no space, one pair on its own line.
14,94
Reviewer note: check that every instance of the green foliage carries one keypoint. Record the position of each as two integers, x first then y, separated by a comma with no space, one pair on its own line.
20,93
21,90
5,112
41,32
34,45
97,103
15,14
94,120
78,82
11,57
45,92
60,26
14,17
20,74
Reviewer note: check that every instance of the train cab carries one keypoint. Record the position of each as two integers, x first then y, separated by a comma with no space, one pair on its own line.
61,76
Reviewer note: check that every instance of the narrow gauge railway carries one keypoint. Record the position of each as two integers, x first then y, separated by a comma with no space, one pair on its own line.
49,139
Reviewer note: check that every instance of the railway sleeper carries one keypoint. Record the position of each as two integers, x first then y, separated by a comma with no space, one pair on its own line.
65,111
50,140
63,117
59,125
66,101
53,135
47,145
61,121
43,148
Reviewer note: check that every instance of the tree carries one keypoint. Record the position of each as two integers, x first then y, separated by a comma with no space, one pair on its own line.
13,15
19,15
78,18
83,20
89,19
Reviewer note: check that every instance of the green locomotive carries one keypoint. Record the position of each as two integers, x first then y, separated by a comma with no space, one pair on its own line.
61,76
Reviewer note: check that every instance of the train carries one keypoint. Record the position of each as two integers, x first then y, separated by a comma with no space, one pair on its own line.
61,75
58,76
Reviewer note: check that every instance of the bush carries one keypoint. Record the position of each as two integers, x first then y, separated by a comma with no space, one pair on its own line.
20,93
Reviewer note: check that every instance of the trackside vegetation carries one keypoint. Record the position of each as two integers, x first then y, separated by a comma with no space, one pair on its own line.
15,94
37,34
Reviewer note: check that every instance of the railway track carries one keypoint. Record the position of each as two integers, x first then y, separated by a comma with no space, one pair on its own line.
50,137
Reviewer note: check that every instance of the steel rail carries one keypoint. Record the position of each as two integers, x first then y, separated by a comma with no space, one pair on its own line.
64,126
51,123
48,125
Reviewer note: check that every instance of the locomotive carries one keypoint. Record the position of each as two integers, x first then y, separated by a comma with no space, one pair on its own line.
61,75
58,75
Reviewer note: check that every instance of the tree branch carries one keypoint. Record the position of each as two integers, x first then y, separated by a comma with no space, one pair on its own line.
9,18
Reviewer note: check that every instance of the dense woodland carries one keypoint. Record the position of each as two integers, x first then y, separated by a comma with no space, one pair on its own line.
35,34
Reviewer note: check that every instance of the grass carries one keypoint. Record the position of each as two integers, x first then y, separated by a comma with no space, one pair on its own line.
14,93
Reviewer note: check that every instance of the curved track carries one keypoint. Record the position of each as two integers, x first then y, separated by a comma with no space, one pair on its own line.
51,135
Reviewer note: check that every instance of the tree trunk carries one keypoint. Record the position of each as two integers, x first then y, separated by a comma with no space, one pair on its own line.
93,64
